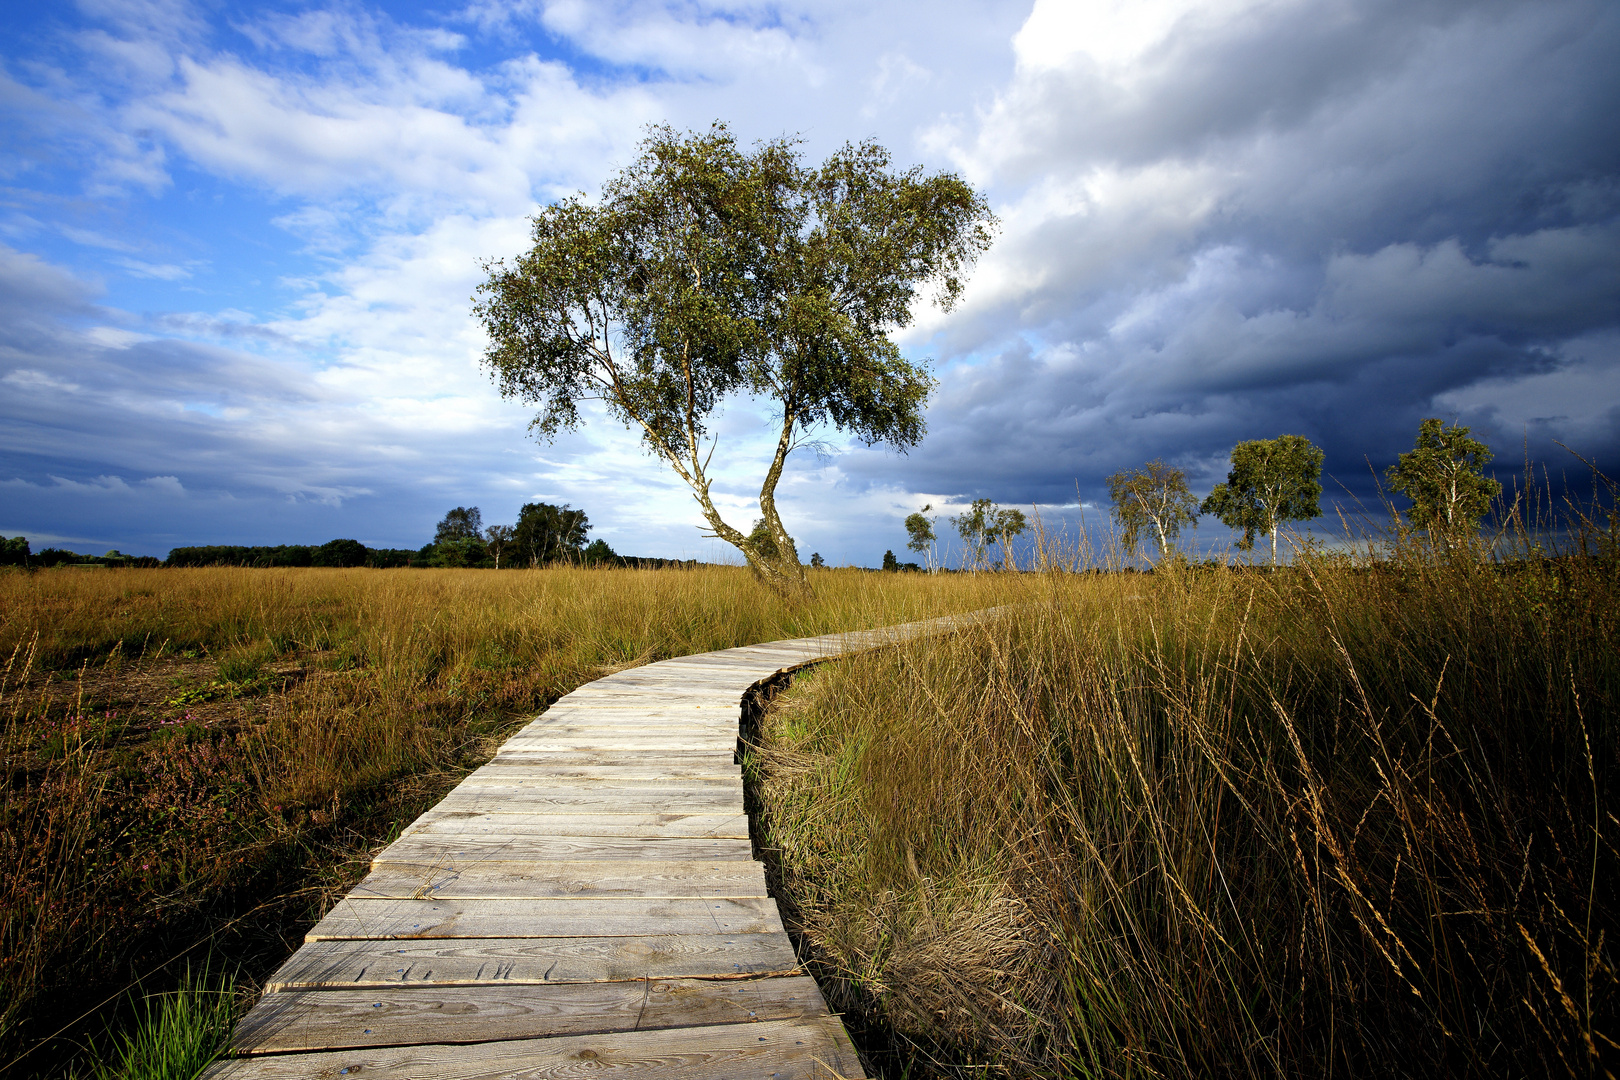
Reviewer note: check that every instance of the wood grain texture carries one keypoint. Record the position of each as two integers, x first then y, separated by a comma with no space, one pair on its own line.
553,822
376,919
298,1020
723,774
531,847
599,878
473,961
476,800
636,767
811,1048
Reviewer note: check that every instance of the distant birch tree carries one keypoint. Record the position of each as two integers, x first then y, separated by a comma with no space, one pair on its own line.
984,526
1444,476
1271,481
920,531
1154,496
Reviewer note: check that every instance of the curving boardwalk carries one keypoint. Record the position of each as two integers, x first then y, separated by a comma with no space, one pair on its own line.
587,901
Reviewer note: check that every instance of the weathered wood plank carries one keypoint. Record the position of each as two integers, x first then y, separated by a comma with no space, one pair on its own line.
608,743
602,878
301,1020
386,919
533,802
653,771
719,736
809,1048
632,759
586,790
508,847
477,961
503,775
647,768
553,822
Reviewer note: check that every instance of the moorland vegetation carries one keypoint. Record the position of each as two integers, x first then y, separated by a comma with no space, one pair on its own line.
198,761
1352,816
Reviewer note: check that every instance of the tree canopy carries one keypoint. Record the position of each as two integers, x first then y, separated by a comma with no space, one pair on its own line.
1271,481
462,523
920,534
706,271
1155,496
985,525
1444,476
546,533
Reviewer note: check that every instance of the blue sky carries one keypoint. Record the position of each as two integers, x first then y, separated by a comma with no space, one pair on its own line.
237,245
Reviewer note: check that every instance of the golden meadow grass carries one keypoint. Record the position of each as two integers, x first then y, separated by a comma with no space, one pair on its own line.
1350,818
198,760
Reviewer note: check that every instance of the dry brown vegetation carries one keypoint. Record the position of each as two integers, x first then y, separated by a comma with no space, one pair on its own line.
196,761
1350,818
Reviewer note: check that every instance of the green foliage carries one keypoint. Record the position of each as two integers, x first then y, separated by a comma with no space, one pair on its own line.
331,553
175,1036
461,523
546,533
458,553
339,553
1444,476
985,525
706,271
816,560
890,563
1272,481
599,551
14,552
1155,496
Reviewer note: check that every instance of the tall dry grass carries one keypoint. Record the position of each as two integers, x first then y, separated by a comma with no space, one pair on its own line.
197,760
1352,818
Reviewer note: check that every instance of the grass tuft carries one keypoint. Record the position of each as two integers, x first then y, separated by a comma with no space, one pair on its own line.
173,1036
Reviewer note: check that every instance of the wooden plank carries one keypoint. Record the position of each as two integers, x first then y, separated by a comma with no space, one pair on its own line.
477,961
573,823
631,767
596,730
808,1048
692,759
301,1020
652,774
533,847
660,681
609,743
503,775
601,878
386,919
469,849
485,800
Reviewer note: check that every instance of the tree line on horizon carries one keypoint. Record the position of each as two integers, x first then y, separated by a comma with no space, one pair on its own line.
543,535
1272,482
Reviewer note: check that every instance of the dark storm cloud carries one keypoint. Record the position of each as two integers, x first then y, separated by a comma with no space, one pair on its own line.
1324,219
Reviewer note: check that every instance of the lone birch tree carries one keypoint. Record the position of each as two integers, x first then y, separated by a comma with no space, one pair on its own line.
1444,476
1154,496
1271,481
706,272
920,535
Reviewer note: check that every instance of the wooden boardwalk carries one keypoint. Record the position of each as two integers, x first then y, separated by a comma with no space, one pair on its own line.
587,901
